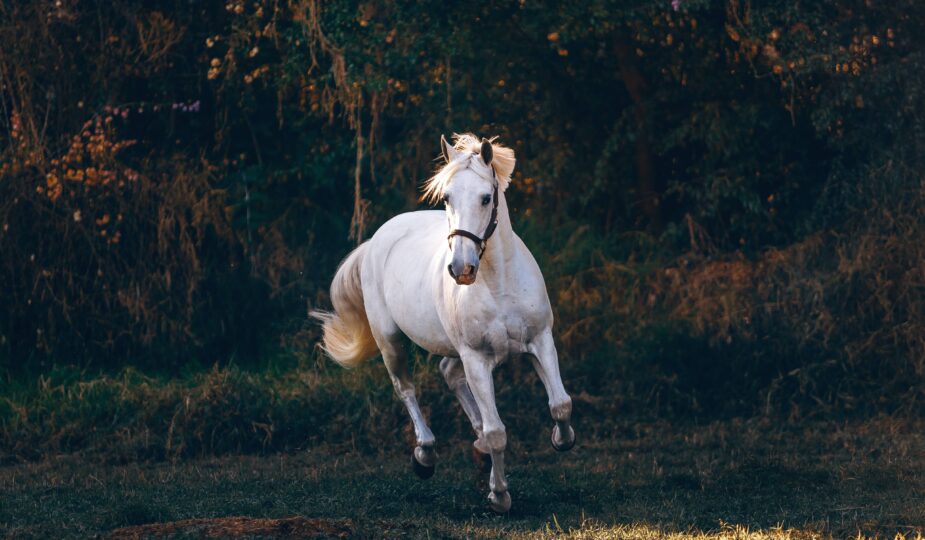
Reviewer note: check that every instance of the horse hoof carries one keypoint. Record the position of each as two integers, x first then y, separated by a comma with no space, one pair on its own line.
420,469
558,443
499,503
481,459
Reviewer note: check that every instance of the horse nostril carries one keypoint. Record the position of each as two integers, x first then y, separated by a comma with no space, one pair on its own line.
449,269
468,270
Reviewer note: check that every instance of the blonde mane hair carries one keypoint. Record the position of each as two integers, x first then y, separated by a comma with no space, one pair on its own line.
469,146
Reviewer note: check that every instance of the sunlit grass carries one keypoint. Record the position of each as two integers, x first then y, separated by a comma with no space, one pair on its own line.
726,531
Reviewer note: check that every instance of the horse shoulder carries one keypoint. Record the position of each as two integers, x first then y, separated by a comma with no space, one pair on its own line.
529,284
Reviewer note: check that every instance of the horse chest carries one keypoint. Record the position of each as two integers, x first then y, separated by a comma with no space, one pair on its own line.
501,326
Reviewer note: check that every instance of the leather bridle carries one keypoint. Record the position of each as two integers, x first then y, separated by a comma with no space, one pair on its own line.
492,223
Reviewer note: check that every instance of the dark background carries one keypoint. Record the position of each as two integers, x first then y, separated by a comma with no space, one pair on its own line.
726,199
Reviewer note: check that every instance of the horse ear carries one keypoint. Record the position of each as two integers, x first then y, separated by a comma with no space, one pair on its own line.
449,153
486,151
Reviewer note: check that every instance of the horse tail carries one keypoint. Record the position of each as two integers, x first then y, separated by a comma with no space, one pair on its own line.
347,336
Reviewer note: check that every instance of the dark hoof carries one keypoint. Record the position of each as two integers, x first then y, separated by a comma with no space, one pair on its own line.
557,440
422,471
481,459
500,504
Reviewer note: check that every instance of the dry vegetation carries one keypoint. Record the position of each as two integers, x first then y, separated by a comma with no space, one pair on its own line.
177,186
835,321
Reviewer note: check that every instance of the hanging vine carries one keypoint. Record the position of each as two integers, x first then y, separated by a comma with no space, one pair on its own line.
346,94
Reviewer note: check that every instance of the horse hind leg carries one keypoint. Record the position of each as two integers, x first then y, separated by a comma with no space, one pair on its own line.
455,377
423,458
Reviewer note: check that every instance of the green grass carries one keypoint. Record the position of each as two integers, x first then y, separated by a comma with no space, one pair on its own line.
129,415
85,454
730,479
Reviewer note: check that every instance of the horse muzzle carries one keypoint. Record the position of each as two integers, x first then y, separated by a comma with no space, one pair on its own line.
463,274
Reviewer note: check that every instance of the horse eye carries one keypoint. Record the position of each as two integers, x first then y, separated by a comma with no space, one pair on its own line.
486,199
446,199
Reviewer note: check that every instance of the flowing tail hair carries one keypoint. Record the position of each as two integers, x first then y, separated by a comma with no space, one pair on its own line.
347,336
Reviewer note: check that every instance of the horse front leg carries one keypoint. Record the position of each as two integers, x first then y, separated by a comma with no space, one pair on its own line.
455,376
546,362
478,374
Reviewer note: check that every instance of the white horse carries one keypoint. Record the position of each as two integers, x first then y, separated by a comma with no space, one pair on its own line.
416,277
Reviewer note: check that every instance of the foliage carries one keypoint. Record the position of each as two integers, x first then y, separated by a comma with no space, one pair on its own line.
723,195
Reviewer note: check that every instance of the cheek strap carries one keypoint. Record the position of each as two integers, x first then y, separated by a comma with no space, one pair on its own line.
492,225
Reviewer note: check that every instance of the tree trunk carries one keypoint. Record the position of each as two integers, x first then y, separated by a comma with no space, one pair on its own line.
647,190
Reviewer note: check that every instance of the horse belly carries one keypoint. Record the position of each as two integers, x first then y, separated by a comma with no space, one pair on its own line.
409,295
416,316
429,341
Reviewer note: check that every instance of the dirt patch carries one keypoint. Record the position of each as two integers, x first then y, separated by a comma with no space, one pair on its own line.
237,527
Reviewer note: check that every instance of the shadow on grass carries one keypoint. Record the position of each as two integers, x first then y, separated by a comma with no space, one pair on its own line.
652,480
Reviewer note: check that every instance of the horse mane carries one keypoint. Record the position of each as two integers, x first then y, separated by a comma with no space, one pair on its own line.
469,146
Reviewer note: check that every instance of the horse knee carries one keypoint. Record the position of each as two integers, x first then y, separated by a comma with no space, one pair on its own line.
496,439
561,410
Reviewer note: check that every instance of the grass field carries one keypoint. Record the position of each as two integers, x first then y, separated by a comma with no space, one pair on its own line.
729,479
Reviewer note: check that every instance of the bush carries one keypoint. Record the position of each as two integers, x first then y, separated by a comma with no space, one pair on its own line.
724,197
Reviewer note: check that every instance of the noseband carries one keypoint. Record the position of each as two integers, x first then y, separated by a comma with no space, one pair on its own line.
492,223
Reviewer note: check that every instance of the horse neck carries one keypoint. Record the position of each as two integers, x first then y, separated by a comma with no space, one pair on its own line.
500,249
